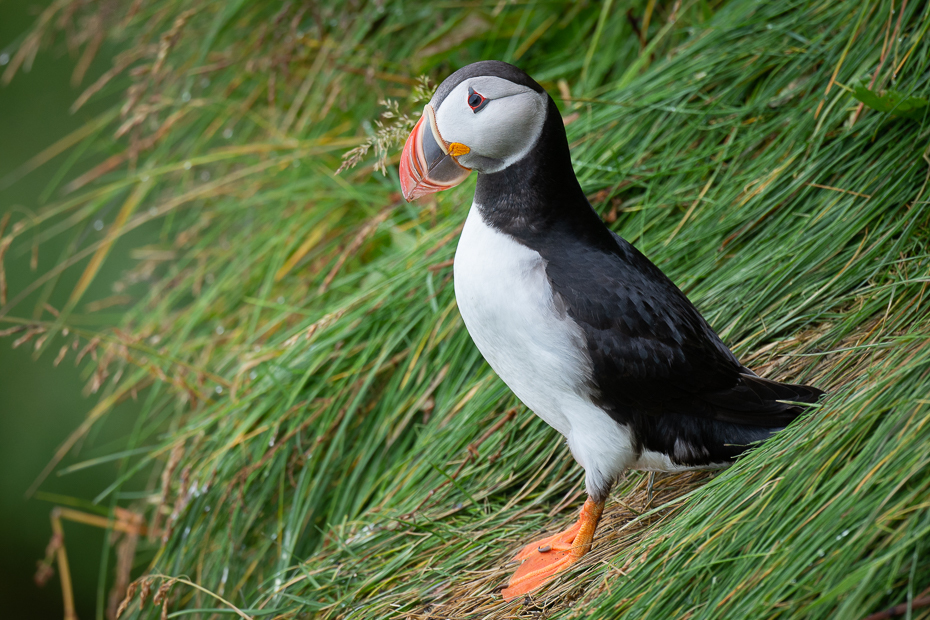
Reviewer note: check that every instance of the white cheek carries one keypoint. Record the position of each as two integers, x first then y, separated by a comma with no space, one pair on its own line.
504,131
521,121
510,127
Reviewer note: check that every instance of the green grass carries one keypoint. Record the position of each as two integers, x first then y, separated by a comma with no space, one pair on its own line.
308,393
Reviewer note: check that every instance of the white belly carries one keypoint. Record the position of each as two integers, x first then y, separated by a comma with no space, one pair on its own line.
506,302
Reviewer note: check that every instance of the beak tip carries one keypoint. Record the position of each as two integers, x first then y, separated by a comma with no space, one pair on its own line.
407,184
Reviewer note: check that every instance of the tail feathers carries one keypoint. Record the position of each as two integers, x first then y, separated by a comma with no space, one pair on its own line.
773,390
761,402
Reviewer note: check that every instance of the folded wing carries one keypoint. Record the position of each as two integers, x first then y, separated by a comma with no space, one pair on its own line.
652,352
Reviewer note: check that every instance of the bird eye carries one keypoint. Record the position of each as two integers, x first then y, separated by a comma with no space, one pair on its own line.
476,101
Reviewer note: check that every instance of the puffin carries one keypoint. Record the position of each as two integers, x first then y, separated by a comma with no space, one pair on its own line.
587,332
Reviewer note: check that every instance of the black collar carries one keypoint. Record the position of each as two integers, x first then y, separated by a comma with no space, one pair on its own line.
539,197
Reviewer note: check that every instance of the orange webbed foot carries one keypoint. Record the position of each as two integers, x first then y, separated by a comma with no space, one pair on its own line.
557,542
546,558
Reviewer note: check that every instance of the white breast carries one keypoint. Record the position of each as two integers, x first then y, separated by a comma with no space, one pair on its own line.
506,301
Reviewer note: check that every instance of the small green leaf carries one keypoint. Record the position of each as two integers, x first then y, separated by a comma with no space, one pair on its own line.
892,101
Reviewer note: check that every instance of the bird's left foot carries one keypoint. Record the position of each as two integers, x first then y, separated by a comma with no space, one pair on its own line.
546,558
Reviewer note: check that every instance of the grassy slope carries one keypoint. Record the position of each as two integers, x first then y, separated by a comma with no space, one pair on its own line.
301,400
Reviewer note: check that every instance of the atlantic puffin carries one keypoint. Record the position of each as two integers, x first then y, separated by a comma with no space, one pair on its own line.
587,332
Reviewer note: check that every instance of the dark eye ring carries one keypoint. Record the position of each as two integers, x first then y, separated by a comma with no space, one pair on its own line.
476,101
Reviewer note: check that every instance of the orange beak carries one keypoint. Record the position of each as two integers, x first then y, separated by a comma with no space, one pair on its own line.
428,163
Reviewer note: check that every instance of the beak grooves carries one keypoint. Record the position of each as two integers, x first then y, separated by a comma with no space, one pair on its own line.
427,163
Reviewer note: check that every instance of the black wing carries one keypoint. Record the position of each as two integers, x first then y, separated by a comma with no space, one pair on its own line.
652,352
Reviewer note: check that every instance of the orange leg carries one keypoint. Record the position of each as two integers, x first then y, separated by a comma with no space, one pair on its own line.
546,558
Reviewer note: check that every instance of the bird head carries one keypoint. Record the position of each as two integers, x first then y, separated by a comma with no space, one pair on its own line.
483,117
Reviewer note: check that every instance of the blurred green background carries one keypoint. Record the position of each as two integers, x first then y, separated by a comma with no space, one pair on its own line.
40,404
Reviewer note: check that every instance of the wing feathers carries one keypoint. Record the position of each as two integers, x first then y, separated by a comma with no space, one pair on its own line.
652,352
